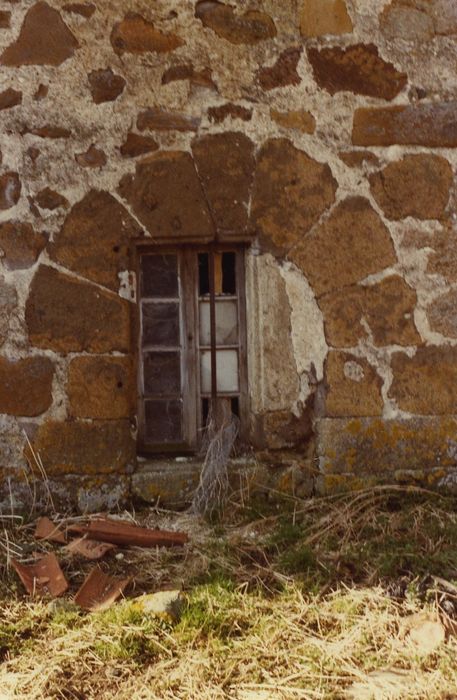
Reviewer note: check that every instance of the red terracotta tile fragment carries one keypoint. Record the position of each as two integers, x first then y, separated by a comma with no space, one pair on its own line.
90,549
44,577
121,533
47,530
99,590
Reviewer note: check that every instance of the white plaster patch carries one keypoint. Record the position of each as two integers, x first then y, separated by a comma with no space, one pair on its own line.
127,285
352,370
307,322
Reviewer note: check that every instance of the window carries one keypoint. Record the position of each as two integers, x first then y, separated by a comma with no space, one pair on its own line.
174,367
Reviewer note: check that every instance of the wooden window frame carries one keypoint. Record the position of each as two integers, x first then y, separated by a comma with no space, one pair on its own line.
188,291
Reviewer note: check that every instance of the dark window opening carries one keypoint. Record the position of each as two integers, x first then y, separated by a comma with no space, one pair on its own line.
174,368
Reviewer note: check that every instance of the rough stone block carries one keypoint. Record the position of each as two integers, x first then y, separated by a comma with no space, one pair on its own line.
166,195
84,448
156,119
169,483
5,19
442,259
417,185
283,72
50,199
136,35
44,39
376,446
426,383
92,158
247,28
186,71
291,192
433,125
25,386
353,386
403,20
86,494
350,245
10,98
387,308
300,119
358,68
320,17
95,239
105,86
219,114
48,131
67,315
279,430
442,314
20,245
137,145
100,387
232,154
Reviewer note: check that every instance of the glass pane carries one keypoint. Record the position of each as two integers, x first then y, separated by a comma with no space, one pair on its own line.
226,367
161,323
229,273
203,273
226,323
161,373
163,421
159,276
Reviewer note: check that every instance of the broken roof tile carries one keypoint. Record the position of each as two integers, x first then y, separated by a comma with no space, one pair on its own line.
99,590
47,530
43,577
90,549
118,532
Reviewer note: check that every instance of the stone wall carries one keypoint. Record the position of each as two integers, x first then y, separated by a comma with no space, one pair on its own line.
334,126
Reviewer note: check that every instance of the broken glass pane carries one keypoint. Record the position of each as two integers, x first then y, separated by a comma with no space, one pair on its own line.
226,369
161,323
226,323
229,273
162,373
163,421
159,276
203,274
224,273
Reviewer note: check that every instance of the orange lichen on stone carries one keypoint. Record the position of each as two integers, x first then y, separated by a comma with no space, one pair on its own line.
380,446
